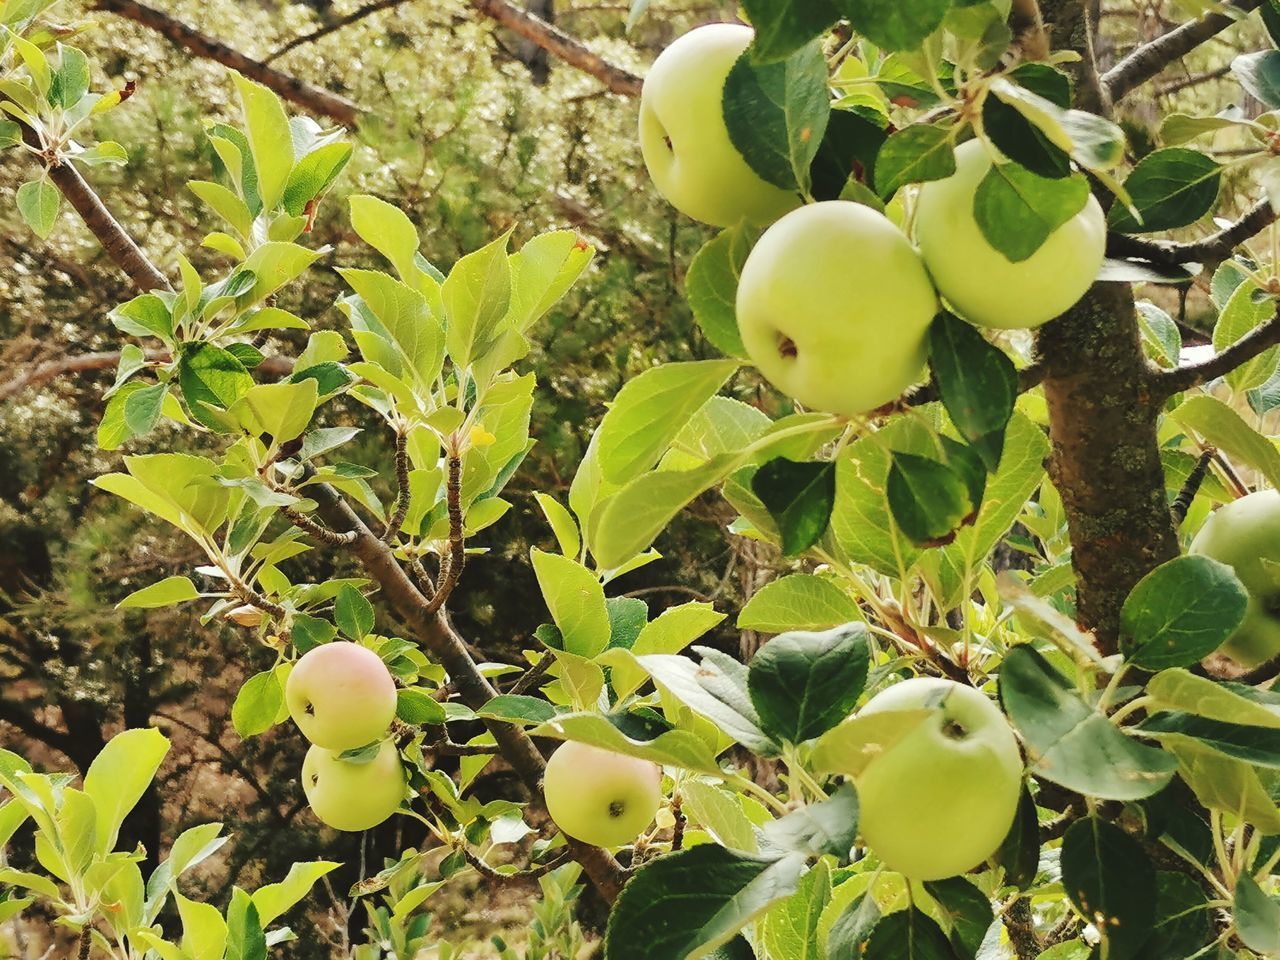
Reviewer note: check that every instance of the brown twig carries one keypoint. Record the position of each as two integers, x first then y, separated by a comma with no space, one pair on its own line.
1151,58
519,876
354,17
1192,486
306,95
533,676
1257,341
677,831
315,529
452,562
86,942
560,45
1212,249
401,510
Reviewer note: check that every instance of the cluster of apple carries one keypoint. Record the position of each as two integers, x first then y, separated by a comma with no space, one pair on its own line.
836,287
343,698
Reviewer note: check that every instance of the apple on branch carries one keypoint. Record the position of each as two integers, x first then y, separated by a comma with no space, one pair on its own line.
939,800
985,286
833,306
349,795
601,797
1245,535
683,136
341,695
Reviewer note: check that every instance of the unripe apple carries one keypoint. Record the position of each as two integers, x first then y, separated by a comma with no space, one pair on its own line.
353,796
940,800
683,136
600,797
341,696
1245,535
833,306
981,283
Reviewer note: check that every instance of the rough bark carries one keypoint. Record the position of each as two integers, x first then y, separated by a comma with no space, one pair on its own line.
1106,460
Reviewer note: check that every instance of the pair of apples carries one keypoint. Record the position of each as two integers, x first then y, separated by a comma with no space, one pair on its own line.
342,697
834,302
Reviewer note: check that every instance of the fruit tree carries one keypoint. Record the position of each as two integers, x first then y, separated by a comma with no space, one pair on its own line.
984,364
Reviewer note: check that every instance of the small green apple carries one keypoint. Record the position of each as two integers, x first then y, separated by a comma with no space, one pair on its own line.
341,695
683,136
600,797
980,282
833,306
353,796
940,800
1245,535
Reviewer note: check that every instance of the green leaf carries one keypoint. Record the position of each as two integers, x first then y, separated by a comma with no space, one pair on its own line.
976,379
711,287
777,113
144,316
799,498
1257,746
1069,742
929,500
270,139
720,813
1243,312
783,28
353,613
1181,612
274,899
476,297
803,684
309,632
38,203
257,704
967,911
576,600
1094,142
853,928
688,903
1017,210
204,932
909,934
562,524
790,928
1094,854
401,316
1017,137
651,410
1171,188
416,706
280,411
542,271
1259,74
1223,783
388,230
827,828
895,24
1220,426
677,748
1179,689
801,601
225,204
120,775
210,375
914,154
313,175
518,708
245,938
1019,852
717,689
165,593
1256,916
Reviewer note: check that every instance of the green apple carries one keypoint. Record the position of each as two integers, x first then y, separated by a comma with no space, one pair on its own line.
980,282
833,306
600,797
939,800
683,136
1245,535
341,696
353,796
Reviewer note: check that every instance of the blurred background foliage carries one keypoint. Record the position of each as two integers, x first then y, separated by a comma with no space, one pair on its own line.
471,131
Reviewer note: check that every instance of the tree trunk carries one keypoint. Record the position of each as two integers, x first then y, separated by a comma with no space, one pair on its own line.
1106,459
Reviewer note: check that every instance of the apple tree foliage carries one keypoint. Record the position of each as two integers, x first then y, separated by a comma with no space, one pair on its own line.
1150,813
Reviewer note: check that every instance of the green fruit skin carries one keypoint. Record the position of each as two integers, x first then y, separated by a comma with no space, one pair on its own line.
1243,534
833,306
985,287
600,797
341,695
701,173
934,805
353,796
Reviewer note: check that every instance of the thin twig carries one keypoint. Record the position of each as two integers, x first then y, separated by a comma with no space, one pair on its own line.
532,677
1212,249
452,562
520,876
401,510
317,529
354,17
86,942
1255,342
1151,58
1192,486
